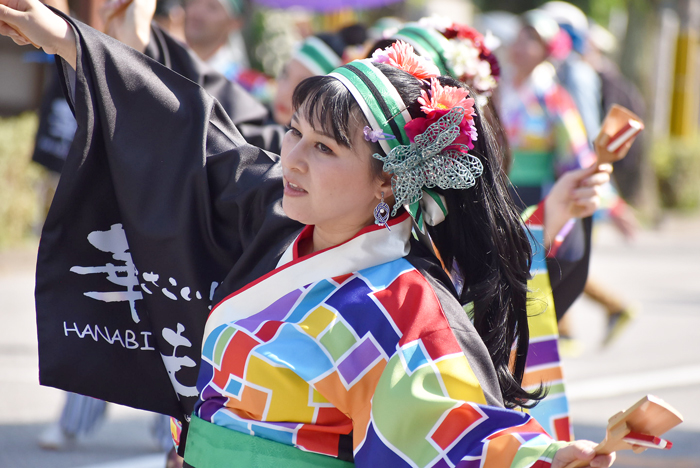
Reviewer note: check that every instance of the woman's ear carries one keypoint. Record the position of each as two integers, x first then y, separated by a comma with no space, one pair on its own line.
385,186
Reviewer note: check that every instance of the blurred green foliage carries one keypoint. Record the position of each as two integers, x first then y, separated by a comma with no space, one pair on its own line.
677,167
20,206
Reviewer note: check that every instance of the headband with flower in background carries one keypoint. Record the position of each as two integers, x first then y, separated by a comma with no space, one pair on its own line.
460,50
422,153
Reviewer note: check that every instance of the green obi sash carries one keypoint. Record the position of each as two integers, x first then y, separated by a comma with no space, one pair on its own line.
212,446
532,168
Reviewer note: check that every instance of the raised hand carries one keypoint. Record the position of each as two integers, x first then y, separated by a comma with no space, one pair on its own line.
30,22
129,21
580,452
575,195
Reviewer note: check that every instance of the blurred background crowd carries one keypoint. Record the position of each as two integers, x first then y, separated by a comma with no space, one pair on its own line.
642,54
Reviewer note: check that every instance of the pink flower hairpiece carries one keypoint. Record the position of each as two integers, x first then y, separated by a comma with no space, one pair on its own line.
401,55
445,98
439,101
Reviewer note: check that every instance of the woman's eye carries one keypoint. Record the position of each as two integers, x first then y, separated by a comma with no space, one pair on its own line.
323,148
294,132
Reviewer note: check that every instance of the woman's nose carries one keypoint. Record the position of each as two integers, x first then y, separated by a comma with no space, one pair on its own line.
295,158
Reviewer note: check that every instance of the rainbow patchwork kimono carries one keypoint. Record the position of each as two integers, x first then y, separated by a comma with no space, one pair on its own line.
361,352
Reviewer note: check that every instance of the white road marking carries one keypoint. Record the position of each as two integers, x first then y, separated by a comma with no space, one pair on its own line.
149,461
606,387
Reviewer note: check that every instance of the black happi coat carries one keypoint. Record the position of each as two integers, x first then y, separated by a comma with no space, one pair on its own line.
137,171
57,126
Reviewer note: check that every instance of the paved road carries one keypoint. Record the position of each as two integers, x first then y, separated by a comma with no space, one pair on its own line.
659,354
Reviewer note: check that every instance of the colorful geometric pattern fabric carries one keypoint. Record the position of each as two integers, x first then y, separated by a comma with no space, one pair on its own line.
543,362
369,352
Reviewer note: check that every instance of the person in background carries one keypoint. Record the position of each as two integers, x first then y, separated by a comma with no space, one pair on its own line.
316,55
573,71
212,30
544,128
170,15
618,89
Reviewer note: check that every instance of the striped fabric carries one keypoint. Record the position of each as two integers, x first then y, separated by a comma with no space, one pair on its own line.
317,56
428,43
378,99
544,129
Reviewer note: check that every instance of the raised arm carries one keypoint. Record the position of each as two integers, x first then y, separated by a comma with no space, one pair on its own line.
31,22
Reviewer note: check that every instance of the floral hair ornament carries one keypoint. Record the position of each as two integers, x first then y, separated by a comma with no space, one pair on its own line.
427,152
462,51
433,159
402,56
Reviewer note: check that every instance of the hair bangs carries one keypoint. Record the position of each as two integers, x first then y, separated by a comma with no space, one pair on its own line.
328,107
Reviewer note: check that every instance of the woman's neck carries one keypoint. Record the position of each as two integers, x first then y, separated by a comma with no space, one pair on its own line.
322,239
521,75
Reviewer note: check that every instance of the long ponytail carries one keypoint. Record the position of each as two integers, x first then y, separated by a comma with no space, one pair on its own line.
485,241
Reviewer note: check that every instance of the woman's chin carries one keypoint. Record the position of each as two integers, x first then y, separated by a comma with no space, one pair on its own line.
295,213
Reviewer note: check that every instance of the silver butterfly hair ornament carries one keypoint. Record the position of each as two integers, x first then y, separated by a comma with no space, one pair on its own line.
427,162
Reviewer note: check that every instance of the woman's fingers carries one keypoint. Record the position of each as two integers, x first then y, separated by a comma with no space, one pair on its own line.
584,193
582,450
599,178
33,23
603,461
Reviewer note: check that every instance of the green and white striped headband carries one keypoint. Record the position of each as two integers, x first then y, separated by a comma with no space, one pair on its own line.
428,43
317,56
377,97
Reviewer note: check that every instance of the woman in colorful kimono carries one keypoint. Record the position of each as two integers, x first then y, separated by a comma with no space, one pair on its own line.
341,343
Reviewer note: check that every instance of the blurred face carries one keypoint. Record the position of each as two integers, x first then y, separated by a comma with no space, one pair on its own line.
528,50
207,22
328,185
292,74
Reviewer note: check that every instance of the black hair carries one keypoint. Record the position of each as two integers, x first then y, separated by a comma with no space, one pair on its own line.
352,35
482,237
163,7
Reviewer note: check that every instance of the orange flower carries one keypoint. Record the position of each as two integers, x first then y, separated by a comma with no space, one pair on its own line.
445,98
401,55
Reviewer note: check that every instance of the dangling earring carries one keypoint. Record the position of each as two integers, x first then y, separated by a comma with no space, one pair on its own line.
381,213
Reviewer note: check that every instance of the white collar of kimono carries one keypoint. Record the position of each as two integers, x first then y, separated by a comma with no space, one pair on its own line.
372,246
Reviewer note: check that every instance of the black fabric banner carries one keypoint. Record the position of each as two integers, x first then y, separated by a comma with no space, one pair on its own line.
162,209
57,124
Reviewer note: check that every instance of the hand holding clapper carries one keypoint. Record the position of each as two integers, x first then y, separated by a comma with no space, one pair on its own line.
617,133
638,428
